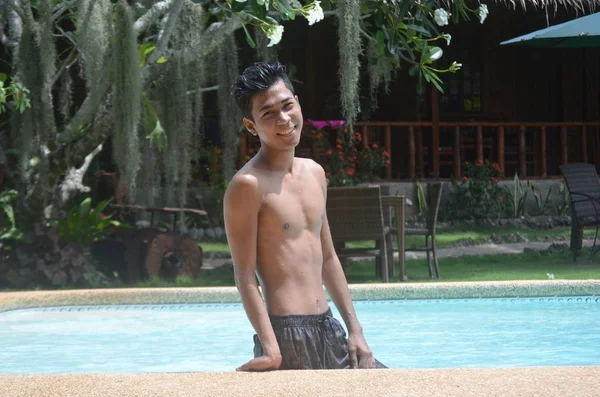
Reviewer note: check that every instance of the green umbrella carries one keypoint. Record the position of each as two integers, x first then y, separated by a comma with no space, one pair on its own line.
582,32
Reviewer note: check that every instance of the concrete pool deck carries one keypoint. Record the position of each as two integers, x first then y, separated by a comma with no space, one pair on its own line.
528,381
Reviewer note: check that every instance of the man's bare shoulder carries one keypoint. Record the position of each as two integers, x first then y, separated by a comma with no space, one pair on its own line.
313,167
243,187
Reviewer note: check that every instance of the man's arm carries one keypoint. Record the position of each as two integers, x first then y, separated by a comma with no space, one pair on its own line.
241,205
337,286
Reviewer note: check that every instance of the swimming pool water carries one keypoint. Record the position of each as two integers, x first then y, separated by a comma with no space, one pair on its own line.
218,337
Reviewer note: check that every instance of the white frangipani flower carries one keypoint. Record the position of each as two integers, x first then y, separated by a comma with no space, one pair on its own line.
440,16
274,34
482,12
448,37
315,14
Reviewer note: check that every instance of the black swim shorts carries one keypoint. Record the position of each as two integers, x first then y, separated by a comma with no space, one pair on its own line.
310,342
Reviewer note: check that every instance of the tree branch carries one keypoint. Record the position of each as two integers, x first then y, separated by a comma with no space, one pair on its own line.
16,9
68,63
62,7
27,16
163,40
158,10
102,121
213,37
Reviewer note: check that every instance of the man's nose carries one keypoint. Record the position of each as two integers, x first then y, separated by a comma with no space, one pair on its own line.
284,118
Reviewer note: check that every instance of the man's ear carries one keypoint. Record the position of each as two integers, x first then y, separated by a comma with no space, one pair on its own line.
249,124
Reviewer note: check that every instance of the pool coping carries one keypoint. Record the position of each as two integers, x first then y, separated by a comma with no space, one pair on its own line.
434,290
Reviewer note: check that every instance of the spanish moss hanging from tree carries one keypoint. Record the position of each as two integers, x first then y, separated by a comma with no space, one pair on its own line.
127,96
229,114
350,50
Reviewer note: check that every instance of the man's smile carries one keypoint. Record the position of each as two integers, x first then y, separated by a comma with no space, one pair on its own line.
286,133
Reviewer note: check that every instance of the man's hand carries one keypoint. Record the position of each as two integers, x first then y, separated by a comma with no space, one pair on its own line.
360,354
263,363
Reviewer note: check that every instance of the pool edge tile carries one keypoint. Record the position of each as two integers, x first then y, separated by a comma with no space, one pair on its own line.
435,290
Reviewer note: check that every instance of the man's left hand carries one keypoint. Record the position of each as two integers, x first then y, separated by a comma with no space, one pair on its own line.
359,352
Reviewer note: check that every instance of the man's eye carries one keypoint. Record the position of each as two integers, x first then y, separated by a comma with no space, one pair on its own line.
288,105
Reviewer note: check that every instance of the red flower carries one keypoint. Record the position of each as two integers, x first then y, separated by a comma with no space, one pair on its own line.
375,146
386,154
339,141
358,136
350,171
320,135
479,163
329,152
339,146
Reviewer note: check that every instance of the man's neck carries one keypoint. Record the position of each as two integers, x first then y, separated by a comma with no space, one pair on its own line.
277,160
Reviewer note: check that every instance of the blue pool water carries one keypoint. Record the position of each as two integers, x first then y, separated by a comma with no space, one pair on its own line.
218,337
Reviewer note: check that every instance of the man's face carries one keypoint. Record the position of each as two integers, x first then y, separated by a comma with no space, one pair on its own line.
277,117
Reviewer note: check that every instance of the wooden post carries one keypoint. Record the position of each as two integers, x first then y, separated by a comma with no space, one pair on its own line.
535,154
500,148
543,158
456,153
388,148
522,153
412,169
584,146
420,153
435,138
479,143
365,137
564,150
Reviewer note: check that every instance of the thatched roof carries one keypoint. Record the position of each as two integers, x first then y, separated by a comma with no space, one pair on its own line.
580,6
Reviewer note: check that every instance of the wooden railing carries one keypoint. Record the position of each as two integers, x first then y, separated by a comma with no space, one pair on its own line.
531,149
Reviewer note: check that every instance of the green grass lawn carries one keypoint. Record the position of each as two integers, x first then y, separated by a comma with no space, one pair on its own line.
445,238
526,266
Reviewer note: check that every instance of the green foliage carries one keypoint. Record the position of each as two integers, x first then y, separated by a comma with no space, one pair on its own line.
542,202
85,225
421,198
348,161
564,206
9,231
478,195
16,95
517,198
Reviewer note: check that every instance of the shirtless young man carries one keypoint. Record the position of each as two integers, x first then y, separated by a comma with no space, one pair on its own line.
277,229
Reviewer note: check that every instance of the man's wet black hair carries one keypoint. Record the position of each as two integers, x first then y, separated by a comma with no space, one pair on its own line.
257,78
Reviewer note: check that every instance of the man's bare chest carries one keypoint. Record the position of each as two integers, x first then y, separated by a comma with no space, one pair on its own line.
296,207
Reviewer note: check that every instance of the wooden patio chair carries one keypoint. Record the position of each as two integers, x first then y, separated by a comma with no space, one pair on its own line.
583,185
434,198
356,214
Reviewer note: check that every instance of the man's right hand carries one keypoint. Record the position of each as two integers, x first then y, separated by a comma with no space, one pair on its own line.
263,363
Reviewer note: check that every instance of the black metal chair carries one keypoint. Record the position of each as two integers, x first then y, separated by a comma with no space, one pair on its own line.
434,198
583,185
